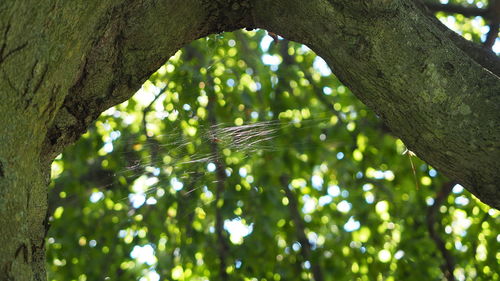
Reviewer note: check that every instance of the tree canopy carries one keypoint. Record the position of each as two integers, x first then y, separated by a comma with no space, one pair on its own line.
244,158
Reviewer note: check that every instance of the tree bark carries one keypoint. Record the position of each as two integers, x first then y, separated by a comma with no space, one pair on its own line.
63,63
443,103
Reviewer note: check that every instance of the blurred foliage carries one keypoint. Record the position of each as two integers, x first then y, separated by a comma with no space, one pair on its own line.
246,159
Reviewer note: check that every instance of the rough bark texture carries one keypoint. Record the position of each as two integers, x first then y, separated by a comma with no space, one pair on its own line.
64,62
61,64
420,80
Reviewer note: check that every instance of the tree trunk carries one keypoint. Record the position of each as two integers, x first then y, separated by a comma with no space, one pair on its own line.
63,63
23,200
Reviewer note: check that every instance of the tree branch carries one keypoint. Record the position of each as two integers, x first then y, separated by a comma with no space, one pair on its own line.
494,17
432,212
492,14
306,247
222,245
406,77
484,56
492,35
468,11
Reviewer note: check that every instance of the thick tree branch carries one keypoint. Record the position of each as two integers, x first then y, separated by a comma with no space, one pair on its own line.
403,64
436,91
416,79
125,49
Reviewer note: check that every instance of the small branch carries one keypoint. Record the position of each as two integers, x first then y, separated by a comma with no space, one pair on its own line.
492,35
432,212
492,13
494,17
306,248
222,245
469,11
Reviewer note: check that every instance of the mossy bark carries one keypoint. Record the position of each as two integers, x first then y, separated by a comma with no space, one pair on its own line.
439,93
64,62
